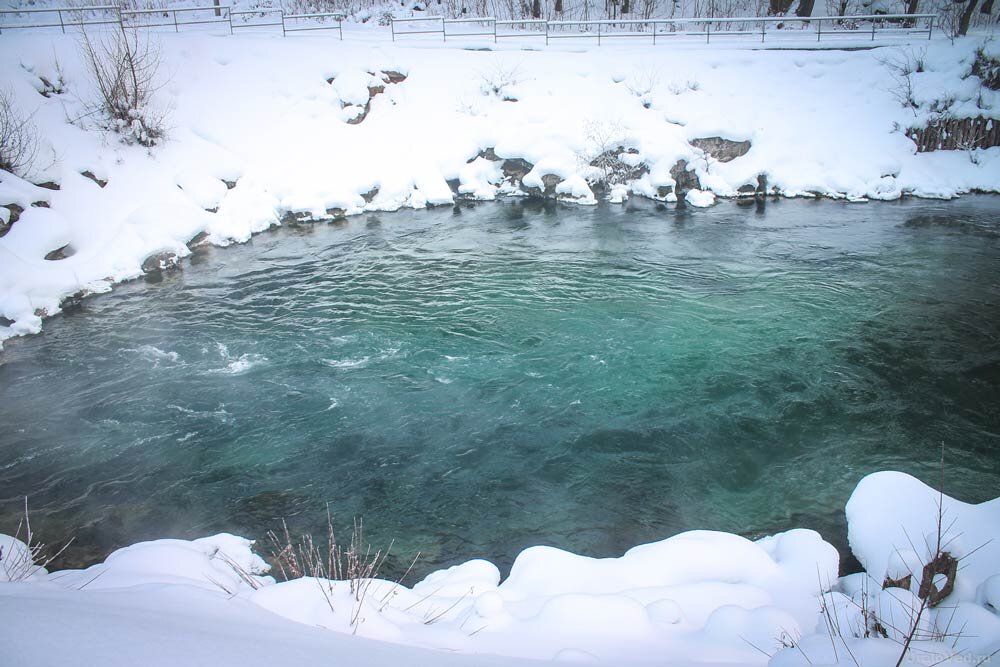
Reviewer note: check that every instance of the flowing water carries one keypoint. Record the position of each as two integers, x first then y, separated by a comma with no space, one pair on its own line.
478,380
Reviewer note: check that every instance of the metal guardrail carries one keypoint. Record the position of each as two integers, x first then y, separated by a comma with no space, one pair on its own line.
339,18
177,17
624,28
437,28
491,27
63,13
221,15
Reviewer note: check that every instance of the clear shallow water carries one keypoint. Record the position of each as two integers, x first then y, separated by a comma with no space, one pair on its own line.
475,383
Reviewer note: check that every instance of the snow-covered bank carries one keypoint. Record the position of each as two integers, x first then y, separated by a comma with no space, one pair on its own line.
697,597
262,128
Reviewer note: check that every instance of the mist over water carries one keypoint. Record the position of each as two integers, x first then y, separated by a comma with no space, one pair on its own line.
474,383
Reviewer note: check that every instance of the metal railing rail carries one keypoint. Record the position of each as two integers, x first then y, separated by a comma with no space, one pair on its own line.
418,19
589,29
523,33
221,16
62,13
488,20
337,23
658,26
262,13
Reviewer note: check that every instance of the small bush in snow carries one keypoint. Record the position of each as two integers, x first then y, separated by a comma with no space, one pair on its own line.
901,66
18,138
987,68
22,560
330,562
123,66
500,80
606,157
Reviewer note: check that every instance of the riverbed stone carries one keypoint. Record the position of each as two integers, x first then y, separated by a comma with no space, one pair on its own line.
684,178
548,189
160,262
723,150
515,169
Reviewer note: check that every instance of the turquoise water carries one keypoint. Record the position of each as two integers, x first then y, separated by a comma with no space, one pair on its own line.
479,380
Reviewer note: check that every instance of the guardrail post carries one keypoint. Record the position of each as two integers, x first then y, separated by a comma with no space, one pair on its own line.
176,27
282,12
708,32
819,29
229,14
763,26
873,30
654,34
930,27
61,24
340,27
392,26
495,32
444,33
598,33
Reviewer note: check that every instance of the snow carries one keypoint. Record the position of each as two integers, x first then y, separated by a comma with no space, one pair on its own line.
700,198
270,115
694,598
899,535
258,131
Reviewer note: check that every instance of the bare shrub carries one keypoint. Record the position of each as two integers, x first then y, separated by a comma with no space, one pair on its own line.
923,584
901,65
18,138
500,80
329,562
607,156
124,66
21,564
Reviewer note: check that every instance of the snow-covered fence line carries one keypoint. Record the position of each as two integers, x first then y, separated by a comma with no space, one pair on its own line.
71,16
602,29
908,24
435,26
334,18
176,17
246,18
218,15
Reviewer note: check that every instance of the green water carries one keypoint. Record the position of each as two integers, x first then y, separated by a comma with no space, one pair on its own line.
476,382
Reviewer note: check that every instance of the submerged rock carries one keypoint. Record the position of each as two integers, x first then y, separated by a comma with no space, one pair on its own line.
160,262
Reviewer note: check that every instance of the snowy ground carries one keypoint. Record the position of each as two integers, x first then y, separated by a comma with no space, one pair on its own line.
258,129
698,597
270,117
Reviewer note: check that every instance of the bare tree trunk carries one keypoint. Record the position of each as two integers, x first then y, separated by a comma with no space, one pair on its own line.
963,24
805,8
536,9
987,7
779,7
218,12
